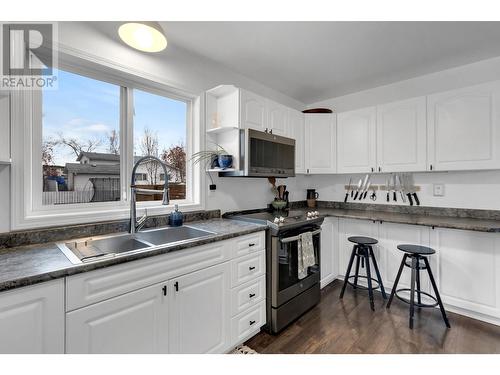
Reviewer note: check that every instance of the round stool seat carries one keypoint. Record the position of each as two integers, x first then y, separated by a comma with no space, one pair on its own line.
360,240
416,249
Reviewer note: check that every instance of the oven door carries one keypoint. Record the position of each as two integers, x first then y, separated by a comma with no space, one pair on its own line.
285,274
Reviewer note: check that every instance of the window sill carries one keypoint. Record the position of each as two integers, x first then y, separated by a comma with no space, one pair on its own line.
43,219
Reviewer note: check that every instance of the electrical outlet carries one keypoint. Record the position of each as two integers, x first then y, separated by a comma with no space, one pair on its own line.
438,190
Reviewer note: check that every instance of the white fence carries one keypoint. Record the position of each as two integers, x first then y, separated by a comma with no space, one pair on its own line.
67,197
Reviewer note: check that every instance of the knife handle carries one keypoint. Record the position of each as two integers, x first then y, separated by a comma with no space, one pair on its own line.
364,195
409,199
346,195
394,196
417,201
388,197
356,195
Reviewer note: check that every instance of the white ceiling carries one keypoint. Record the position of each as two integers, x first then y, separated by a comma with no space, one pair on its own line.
312,61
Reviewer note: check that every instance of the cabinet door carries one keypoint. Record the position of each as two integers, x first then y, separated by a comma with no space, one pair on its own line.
464,128
329,251
32,319
402,136
356,141
348,228
4,126
253,111
390,236
468,272
277,119
135,323
297,132
320,143
199,311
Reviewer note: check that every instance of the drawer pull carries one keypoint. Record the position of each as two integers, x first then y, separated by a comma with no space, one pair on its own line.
252,322
251,244
251,295
164,290
251,268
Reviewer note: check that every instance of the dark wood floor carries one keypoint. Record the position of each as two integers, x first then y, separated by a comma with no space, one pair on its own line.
349,326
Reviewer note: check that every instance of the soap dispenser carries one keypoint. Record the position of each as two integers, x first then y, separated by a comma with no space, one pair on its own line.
176,217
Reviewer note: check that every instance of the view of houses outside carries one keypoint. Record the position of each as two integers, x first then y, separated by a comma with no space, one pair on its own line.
80,150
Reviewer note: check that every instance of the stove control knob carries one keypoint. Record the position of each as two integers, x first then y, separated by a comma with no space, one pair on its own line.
276,220
282,219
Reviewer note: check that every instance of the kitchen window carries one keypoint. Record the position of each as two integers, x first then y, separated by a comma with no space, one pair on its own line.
78,145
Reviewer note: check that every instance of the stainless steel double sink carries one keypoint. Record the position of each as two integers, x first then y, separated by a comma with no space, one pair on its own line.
102,247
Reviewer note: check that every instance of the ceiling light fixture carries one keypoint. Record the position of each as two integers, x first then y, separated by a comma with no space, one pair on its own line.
144,36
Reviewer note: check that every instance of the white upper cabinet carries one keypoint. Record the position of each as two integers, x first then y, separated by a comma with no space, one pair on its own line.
253,112
297,132
356,141
277,116
320,131
200,311
401,136
464,128
32,319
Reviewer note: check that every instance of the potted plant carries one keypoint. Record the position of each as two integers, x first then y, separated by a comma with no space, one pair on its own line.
216,158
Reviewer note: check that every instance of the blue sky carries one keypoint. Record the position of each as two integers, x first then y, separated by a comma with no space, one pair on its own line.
85,108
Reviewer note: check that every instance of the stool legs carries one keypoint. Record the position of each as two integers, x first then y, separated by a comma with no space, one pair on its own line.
395,286
379,278
436,292
369,280
357,273
346,279
419,295
414,261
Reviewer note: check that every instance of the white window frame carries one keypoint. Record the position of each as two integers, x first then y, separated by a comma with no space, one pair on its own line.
27,210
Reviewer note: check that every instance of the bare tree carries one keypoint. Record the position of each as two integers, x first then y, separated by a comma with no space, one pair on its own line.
113,142
78,146
149,146
48,145
175,157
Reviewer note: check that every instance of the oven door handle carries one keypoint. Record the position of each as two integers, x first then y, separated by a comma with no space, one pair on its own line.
296,238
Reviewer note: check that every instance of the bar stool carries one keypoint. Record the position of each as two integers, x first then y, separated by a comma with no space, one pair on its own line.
362,250
415,257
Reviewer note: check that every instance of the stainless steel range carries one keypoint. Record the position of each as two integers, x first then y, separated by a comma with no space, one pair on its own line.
288,296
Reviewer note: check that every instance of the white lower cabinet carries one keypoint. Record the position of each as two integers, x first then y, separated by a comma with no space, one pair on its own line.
191,312
348,228
135,322
199,311
328,255
390,236
468,272
32,319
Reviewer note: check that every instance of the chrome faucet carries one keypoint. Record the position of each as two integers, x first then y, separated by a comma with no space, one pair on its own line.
136,225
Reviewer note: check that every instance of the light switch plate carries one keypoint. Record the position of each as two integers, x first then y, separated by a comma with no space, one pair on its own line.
438,190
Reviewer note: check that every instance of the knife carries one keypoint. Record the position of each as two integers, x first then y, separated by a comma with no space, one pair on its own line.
388,185
366,189
393,185
357,189
398,178
406,183
413,189
348,189
363,187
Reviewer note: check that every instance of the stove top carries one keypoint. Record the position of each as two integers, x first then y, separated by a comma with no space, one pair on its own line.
289,219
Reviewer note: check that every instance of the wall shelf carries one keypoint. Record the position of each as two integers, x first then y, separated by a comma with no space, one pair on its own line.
221,170
222,129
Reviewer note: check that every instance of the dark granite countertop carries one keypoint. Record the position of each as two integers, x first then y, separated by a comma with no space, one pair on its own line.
480,225
26,265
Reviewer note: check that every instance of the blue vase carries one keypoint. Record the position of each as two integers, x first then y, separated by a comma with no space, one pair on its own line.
225,161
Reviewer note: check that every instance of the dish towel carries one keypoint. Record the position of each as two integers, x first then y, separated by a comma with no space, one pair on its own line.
305,254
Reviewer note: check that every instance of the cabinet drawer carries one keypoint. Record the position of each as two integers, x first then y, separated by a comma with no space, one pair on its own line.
95,286
247,295
247,268
250,243
248,323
